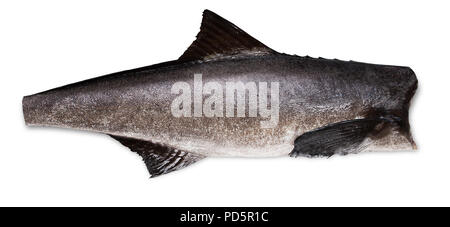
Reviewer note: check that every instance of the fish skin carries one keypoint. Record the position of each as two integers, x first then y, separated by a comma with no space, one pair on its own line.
314,93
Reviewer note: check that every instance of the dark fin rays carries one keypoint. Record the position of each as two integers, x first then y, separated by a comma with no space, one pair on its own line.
219,37
159,159
338,138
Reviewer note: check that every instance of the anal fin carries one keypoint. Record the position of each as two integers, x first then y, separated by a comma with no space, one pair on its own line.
338,138
159,159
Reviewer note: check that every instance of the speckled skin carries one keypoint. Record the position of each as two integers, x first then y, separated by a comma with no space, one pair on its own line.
313,93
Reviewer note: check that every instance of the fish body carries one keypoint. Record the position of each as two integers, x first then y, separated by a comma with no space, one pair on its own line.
176,113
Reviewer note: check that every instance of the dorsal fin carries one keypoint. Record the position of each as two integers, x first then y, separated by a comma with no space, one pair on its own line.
219,37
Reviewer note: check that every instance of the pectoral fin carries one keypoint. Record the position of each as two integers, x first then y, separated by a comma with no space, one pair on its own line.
159,159
338,138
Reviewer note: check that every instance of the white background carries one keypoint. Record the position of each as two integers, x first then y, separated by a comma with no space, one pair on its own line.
46,44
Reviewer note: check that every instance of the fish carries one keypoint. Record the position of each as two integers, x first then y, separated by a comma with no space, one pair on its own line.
230,95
